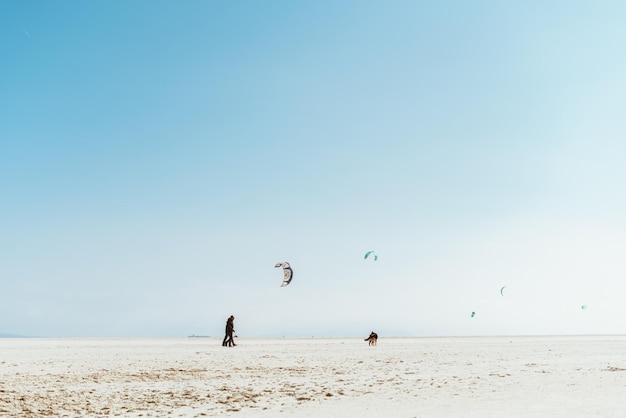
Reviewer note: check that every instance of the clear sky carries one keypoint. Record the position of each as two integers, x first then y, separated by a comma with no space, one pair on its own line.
158,158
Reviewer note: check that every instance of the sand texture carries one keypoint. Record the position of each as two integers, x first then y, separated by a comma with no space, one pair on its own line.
569,376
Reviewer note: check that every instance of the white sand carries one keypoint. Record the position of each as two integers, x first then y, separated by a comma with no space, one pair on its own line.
401,377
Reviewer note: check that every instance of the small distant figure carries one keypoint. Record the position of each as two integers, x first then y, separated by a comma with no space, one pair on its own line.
372,339
230,329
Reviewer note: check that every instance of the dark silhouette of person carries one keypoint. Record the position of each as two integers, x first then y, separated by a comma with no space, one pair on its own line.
230,329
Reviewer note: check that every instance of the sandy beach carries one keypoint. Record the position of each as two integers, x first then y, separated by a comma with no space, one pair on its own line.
561,376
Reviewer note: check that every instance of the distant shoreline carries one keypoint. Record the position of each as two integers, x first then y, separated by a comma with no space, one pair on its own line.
2,335
287,337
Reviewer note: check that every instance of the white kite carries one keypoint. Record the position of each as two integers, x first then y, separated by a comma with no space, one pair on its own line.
287,273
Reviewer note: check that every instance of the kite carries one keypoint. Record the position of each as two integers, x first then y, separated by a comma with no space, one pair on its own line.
473,313
287,273
583,307
502,290
367,254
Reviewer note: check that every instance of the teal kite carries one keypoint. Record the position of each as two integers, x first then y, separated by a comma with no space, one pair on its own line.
367,254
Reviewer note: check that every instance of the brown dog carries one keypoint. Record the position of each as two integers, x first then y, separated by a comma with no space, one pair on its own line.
372,339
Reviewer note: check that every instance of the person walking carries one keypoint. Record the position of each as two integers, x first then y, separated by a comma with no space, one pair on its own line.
230,329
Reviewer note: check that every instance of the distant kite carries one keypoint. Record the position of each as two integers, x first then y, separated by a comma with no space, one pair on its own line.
583,307
367,254
287,273
473,314
502,290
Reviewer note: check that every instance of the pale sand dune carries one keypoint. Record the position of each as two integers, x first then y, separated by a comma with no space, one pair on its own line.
401,377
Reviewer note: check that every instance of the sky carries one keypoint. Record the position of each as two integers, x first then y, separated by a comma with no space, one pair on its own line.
158,158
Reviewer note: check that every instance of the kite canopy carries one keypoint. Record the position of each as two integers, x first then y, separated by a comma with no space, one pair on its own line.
583,307
502,290
473,313
287,273
367,254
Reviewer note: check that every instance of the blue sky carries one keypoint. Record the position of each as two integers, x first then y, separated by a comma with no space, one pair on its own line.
158,158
